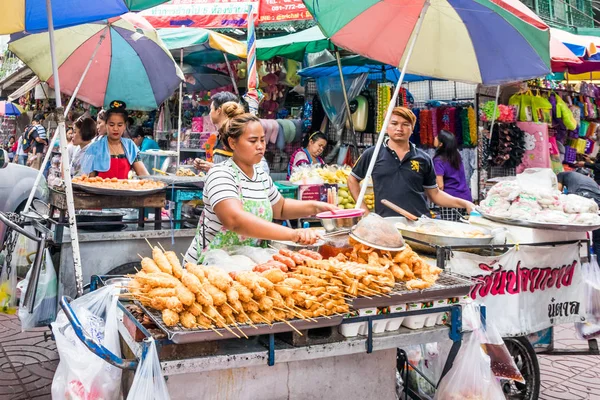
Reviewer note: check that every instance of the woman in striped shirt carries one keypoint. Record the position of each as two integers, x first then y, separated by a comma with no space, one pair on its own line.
240,199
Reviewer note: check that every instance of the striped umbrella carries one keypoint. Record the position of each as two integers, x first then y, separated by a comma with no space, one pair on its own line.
253,95
131,63
30,15
478,41
10,109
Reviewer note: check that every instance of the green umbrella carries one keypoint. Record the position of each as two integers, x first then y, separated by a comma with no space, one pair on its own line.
294,45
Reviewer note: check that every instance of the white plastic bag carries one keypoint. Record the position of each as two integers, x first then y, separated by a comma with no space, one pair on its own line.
591,328
81,374
149,383
471,376
44,309
258,255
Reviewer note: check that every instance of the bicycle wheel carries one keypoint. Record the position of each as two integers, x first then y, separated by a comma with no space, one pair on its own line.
526,360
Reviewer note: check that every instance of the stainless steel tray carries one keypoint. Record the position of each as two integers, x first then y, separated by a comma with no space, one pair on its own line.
197,181
180,335
116,192
439,240
540,225
447,286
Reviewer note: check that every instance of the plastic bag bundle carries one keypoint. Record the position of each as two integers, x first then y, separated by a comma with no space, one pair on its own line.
227,261
591,328
81,374
574,204
149,382
471,376
502,363
258,255
44,309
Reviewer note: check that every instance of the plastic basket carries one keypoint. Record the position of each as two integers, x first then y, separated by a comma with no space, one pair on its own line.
287,190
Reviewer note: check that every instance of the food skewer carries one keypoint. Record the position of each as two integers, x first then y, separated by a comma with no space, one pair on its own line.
162,248
237,326
147,241
292,326
232,309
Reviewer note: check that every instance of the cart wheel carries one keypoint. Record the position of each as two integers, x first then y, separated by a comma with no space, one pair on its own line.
129,268
524,355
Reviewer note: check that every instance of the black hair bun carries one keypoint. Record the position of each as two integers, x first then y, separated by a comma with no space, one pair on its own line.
117,105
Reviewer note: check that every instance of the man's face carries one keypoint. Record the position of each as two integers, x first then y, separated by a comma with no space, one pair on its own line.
399,129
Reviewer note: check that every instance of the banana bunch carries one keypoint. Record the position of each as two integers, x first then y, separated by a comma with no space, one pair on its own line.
334,174
370,201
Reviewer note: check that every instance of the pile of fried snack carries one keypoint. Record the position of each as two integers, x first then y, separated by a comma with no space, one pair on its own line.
293,285
114,183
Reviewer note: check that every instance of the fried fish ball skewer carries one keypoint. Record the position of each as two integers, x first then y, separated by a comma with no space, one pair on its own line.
187,319
274,275
163,303
218,297
218,278
162,292
185,295
161,260
175,264
243,292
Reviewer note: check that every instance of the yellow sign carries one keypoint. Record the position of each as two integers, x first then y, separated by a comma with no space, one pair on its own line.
414,165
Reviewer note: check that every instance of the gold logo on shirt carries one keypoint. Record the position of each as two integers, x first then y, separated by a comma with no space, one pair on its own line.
414,165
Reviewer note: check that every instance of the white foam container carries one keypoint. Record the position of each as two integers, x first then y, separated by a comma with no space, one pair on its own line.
415,321
350,330
440,318
393,324
364,328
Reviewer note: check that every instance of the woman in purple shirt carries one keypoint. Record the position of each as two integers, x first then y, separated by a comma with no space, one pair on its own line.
450,172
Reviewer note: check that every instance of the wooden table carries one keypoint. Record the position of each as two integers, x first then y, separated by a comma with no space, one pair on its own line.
89,201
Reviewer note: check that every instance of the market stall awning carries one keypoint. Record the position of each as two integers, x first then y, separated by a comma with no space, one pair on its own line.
561,57
294,45
23,90
201,46
580,45
353,65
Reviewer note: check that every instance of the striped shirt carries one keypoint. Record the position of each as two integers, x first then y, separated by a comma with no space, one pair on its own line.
224,181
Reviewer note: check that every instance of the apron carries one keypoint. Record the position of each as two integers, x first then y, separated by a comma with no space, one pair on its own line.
226,238
119,168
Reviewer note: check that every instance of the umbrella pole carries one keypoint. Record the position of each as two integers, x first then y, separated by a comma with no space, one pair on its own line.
388,116
346,102
235,88
494,114
66,168
180,110
38,178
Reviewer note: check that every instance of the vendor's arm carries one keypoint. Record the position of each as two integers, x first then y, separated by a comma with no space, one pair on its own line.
140,168
358,174
233,217
443,199
294,209
440,182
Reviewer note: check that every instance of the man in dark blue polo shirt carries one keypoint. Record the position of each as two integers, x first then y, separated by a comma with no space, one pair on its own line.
402,174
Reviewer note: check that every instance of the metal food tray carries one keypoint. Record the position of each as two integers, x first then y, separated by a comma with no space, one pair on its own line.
116,192
197,181
540,225
440,240
180,335
448,285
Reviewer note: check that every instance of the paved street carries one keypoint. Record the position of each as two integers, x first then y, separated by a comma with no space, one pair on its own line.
27,364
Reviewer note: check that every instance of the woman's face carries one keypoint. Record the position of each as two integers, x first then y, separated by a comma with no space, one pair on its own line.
316,147
215,115
249,148
101,127
77,140
11,140
436,142
115,126
69,135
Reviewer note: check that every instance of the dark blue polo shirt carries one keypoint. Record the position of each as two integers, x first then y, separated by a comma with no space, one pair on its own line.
402,182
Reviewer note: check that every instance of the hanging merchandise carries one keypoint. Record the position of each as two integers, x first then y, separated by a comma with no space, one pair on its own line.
384,95
507,145
426,127
537,153
359,107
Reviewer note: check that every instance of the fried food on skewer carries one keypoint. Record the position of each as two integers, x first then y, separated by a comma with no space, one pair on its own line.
185,295
148,265
243,292
274,275
191,282
232,295
195,309
218,296
265,304
196,270
175,264
162,292
170,317
161,260
157,279
187,319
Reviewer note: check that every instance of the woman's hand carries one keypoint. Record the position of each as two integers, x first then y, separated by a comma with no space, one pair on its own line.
580,164
470,207
322,207
202,165
305,236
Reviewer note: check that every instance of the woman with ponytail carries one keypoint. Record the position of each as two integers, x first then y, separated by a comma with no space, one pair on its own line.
240,199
